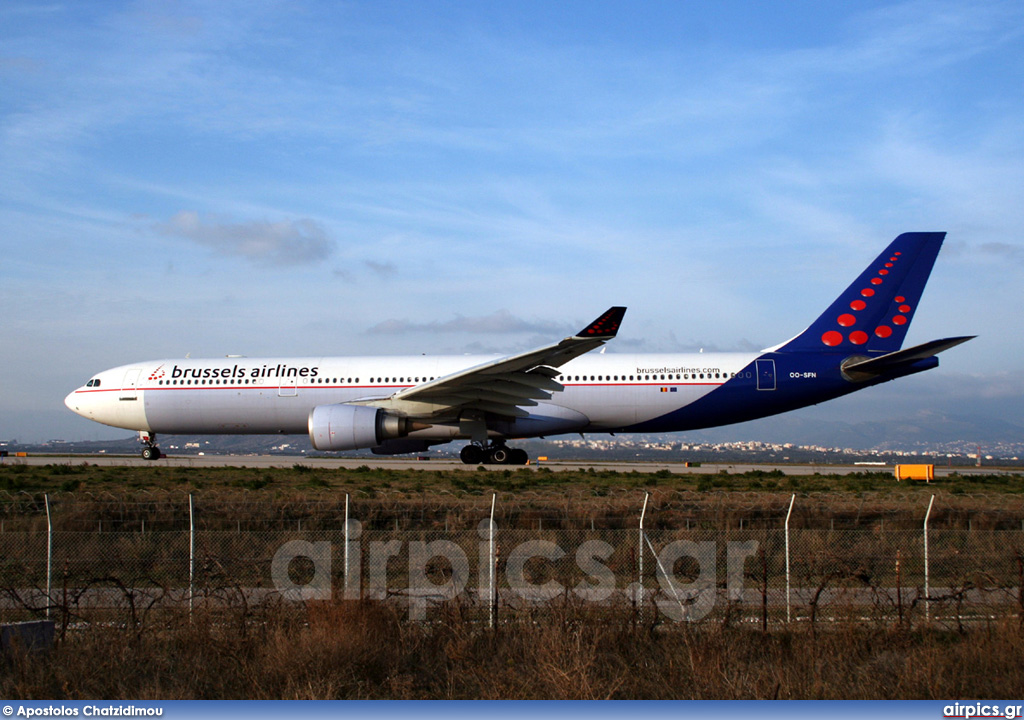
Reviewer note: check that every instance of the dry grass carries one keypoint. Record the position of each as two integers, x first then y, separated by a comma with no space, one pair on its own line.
369,650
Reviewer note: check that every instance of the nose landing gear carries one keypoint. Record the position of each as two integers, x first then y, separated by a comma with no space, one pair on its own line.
494,454
151,451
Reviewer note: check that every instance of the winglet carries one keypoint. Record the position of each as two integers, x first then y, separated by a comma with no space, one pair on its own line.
605,326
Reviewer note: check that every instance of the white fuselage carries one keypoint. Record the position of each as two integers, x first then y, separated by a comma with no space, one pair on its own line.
603,392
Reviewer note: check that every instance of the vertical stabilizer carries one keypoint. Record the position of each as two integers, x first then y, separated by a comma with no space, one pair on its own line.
874,313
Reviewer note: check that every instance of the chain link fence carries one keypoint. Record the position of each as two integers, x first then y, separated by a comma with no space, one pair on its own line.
94,560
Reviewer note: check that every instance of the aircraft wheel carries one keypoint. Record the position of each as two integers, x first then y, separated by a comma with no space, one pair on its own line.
151,453
472,454
500,455
518,456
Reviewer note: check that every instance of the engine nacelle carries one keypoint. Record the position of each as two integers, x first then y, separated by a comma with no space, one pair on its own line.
354,427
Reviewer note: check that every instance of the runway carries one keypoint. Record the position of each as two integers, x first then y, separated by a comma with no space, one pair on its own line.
440,464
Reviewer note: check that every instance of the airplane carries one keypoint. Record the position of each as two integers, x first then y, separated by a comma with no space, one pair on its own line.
395,405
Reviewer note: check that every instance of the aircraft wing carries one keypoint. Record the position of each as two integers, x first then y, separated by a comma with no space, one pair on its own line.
506,385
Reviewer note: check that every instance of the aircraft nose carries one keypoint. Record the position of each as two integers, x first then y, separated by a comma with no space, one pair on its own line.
71,402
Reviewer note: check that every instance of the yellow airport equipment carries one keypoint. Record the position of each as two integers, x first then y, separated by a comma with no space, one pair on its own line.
915,472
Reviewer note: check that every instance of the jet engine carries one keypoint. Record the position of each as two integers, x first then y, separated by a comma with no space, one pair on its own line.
353,427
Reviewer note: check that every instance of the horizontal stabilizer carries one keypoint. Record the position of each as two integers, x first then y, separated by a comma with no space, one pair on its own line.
901,358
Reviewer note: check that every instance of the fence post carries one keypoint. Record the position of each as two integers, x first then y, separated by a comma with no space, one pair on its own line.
49,553
927,601
790,512
191,555
345,582
640,559
492,592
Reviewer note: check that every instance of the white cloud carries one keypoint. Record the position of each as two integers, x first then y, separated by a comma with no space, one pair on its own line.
292,242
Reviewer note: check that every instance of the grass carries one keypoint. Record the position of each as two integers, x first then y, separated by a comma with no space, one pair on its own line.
369,650
82,494
72,476
75,474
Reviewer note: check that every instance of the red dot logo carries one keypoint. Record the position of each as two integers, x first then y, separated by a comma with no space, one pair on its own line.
904,309
883,272
897,254
899,320
858,337
832,338
889,264
867,292
846,320
858,305
883,331
892,259
876,281
900,298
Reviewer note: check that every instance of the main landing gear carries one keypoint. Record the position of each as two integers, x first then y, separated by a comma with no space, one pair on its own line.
151,451
494,454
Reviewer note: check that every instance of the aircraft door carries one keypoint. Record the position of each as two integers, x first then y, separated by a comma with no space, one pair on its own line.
765,374
129,385
289,387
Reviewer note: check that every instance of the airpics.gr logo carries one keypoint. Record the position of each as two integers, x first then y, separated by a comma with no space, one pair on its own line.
979,710
689,601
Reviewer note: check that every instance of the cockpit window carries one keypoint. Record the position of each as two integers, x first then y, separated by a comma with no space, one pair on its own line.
95,382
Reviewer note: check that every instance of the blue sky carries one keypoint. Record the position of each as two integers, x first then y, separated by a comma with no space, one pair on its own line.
292,178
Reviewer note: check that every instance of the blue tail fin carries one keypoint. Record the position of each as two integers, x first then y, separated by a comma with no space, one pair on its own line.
874,313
